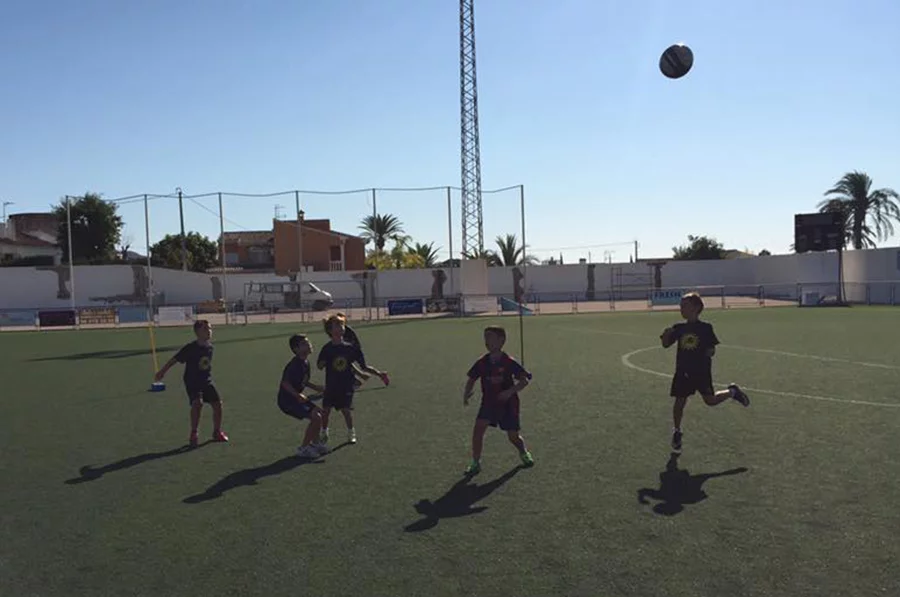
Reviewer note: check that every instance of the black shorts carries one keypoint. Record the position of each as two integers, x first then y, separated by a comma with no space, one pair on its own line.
207,393
294,408
338,400
686,383
504,415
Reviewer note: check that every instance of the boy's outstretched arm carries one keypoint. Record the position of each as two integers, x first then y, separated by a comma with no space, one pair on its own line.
165,369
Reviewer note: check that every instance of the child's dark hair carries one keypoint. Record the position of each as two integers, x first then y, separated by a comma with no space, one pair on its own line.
694,299
296,340
497,330
200,324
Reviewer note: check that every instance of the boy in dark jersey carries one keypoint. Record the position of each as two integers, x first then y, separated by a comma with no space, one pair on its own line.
337,358
292,401
502,378
693,363
351,338
197,358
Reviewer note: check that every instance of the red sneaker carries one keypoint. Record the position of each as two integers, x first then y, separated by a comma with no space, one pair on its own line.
219,436
193,441
385,379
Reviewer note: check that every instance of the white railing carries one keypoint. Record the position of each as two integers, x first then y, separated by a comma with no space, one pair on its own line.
336,266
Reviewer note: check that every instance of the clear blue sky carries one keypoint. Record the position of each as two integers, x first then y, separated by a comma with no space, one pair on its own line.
224,95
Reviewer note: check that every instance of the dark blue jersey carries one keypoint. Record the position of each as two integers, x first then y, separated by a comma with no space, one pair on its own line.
197,359
296,374
337,359
695,339
497,375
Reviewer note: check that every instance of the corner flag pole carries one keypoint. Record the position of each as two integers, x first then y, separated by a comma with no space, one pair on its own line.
524,277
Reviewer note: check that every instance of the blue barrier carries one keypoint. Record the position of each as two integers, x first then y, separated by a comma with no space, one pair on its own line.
132,314
17,318
511,305
406,307
666,297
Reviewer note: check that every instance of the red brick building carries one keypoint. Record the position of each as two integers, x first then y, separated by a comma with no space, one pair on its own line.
278,250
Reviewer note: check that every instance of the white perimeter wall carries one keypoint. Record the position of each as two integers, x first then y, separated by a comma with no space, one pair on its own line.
49,287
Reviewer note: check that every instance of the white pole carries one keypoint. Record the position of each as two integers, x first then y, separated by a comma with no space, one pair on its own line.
71,260
149,264
450,233
299,247
224,265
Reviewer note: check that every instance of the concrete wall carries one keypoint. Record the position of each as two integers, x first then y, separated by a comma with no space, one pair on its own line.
48,287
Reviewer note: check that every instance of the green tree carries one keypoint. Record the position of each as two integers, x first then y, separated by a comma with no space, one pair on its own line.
428,253
96,229
490,257
380,228
699,247
869,215
202,253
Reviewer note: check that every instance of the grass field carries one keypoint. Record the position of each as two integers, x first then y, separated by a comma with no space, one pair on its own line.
794,496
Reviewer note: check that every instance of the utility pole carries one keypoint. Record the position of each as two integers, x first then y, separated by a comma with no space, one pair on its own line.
470,148
5,203
184,254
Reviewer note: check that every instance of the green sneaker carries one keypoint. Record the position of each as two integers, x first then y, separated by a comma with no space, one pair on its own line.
527,459
474,468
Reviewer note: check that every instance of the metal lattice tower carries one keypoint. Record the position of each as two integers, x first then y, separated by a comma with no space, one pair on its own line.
470,151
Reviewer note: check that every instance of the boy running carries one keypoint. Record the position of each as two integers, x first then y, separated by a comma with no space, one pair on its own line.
197,358
294,403
502,378
693,363
337,358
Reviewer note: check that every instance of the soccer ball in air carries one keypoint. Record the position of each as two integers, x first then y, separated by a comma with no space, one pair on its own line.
676,61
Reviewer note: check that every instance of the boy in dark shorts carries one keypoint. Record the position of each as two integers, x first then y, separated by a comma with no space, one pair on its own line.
693,363
502,378
337,358
197,358
351,338
294,403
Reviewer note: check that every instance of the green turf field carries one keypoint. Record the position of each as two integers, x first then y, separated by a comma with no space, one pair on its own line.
794,496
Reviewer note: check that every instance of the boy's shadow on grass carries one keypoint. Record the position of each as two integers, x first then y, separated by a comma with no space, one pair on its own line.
251,476
90,473
678,487
457,502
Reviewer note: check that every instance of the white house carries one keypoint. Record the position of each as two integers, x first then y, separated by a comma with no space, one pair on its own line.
30,235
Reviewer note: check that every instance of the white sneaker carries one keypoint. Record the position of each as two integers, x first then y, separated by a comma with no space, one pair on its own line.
321,449
307,452
351,436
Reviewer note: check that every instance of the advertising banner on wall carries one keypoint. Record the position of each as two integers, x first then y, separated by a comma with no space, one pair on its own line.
10,319
405,306
132,314
667,297
442,305
97,316
57,318
175,315
480,304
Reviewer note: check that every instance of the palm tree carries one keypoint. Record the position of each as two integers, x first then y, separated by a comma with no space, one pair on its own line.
510,253
869,215
428,253
487,255
381,227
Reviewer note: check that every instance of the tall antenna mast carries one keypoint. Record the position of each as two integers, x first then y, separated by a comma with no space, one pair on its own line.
470,151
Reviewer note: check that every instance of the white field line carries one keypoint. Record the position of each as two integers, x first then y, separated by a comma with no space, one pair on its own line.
626,360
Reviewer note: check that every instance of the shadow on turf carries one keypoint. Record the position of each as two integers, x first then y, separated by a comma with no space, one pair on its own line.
90,473
136,352
457,502
250,476
678,487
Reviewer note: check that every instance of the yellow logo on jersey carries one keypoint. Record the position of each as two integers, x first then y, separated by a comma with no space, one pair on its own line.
339,364
689,342
204,363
